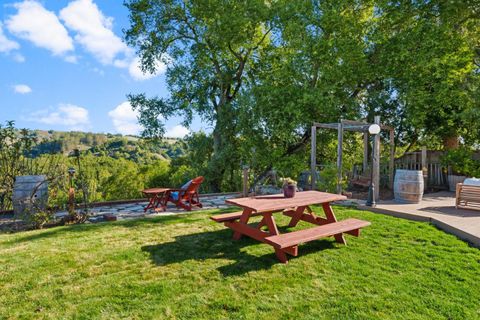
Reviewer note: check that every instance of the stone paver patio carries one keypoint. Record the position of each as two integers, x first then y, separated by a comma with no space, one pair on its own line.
439,209
134,210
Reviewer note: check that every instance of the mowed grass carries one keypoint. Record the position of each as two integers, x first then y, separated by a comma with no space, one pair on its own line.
187,267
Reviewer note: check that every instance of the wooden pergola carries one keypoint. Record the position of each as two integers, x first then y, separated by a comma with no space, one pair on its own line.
355,126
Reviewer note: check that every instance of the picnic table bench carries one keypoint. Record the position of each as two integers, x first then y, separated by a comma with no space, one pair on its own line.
298,208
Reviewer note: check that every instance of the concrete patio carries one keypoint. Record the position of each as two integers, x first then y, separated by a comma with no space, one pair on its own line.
439,209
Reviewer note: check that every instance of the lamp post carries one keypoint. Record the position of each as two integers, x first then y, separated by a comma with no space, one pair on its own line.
373,130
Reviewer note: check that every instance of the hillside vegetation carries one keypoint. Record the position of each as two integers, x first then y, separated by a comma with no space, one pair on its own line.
115,146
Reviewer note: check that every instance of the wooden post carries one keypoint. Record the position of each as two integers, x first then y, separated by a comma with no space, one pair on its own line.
313,159
339,157
71,201
245,181
376,161
391,166
365,152
424,167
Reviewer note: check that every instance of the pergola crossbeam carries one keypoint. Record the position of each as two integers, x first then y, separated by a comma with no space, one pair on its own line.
349,125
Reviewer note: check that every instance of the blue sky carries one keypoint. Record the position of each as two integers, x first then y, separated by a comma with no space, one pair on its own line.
64,66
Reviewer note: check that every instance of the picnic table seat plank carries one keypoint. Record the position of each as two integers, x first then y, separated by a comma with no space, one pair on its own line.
227,216
231,216
294,238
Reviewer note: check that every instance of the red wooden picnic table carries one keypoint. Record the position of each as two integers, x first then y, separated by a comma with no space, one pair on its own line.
156,198
298,208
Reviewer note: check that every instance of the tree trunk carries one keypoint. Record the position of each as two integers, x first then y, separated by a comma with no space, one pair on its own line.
451,142
216,167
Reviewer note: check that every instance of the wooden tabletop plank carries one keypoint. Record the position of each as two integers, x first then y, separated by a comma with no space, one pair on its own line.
279,202
155,190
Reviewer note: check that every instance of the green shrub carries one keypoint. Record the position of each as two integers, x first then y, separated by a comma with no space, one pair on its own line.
329,179
461,162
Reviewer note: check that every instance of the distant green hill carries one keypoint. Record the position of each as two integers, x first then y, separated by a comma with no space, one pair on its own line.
113,145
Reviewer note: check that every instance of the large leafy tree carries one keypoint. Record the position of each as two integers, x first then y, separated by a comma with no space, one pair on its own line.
261,72
209,46
429,52
317,70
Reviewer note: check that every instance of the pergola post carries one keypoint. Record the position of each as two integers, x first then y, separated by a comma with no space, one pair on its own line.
365,152
376,161
313,158
339,157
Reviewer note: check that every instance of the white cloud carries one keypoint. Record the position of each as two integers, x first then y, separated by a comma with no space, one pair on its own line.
71,59
69,115
36,24
22,89
7,45
177,131
93,30
125,119
18,58
137,73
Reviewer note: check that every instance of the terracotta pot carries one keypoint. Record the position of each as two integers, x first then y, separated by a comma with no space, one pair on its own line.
289,190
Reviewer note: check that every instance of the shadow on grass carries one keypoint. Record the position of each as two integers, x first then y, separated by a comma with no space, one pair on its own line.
132,223
220,245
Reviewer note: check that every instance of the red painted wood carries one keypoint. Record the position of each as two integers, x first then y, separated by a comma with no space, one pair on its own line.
270,223
296,216
279,202
327,209
294,238
187,198
243,221
309,218
247,230
297,208
256,234
281,256
231,216
156,198
226,216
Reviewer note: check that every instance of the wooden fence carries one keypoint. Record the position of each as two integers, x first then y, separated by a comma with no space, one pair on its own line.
436,172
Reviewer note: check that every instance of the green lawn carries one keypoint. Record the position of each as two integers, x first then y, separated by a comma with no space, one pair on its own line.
187,267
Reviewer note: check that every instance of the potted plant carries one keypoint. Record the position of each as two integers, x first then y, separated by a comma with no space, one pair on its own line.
289,187
460,165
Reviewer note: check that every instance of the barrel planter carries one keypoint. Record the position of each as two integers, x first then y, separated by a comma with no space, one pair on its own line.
408,186
30,194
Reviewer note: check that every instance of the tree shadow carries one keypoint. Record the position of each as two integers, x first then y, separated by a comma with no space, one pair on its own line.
220,245
82,228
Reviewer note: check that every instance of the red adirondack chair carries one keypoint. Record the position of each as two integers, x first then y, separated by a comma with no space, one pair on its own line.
187,196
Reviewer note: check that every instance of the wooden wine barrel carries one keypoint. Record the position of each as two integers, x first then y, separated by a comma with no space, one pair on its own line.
408,186
30,194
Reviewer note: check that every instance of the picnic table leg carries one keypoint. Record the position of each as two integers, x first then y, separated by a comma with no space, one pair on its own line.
161,202
297,216
261,224
151,204
243,219
330,215
273,230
